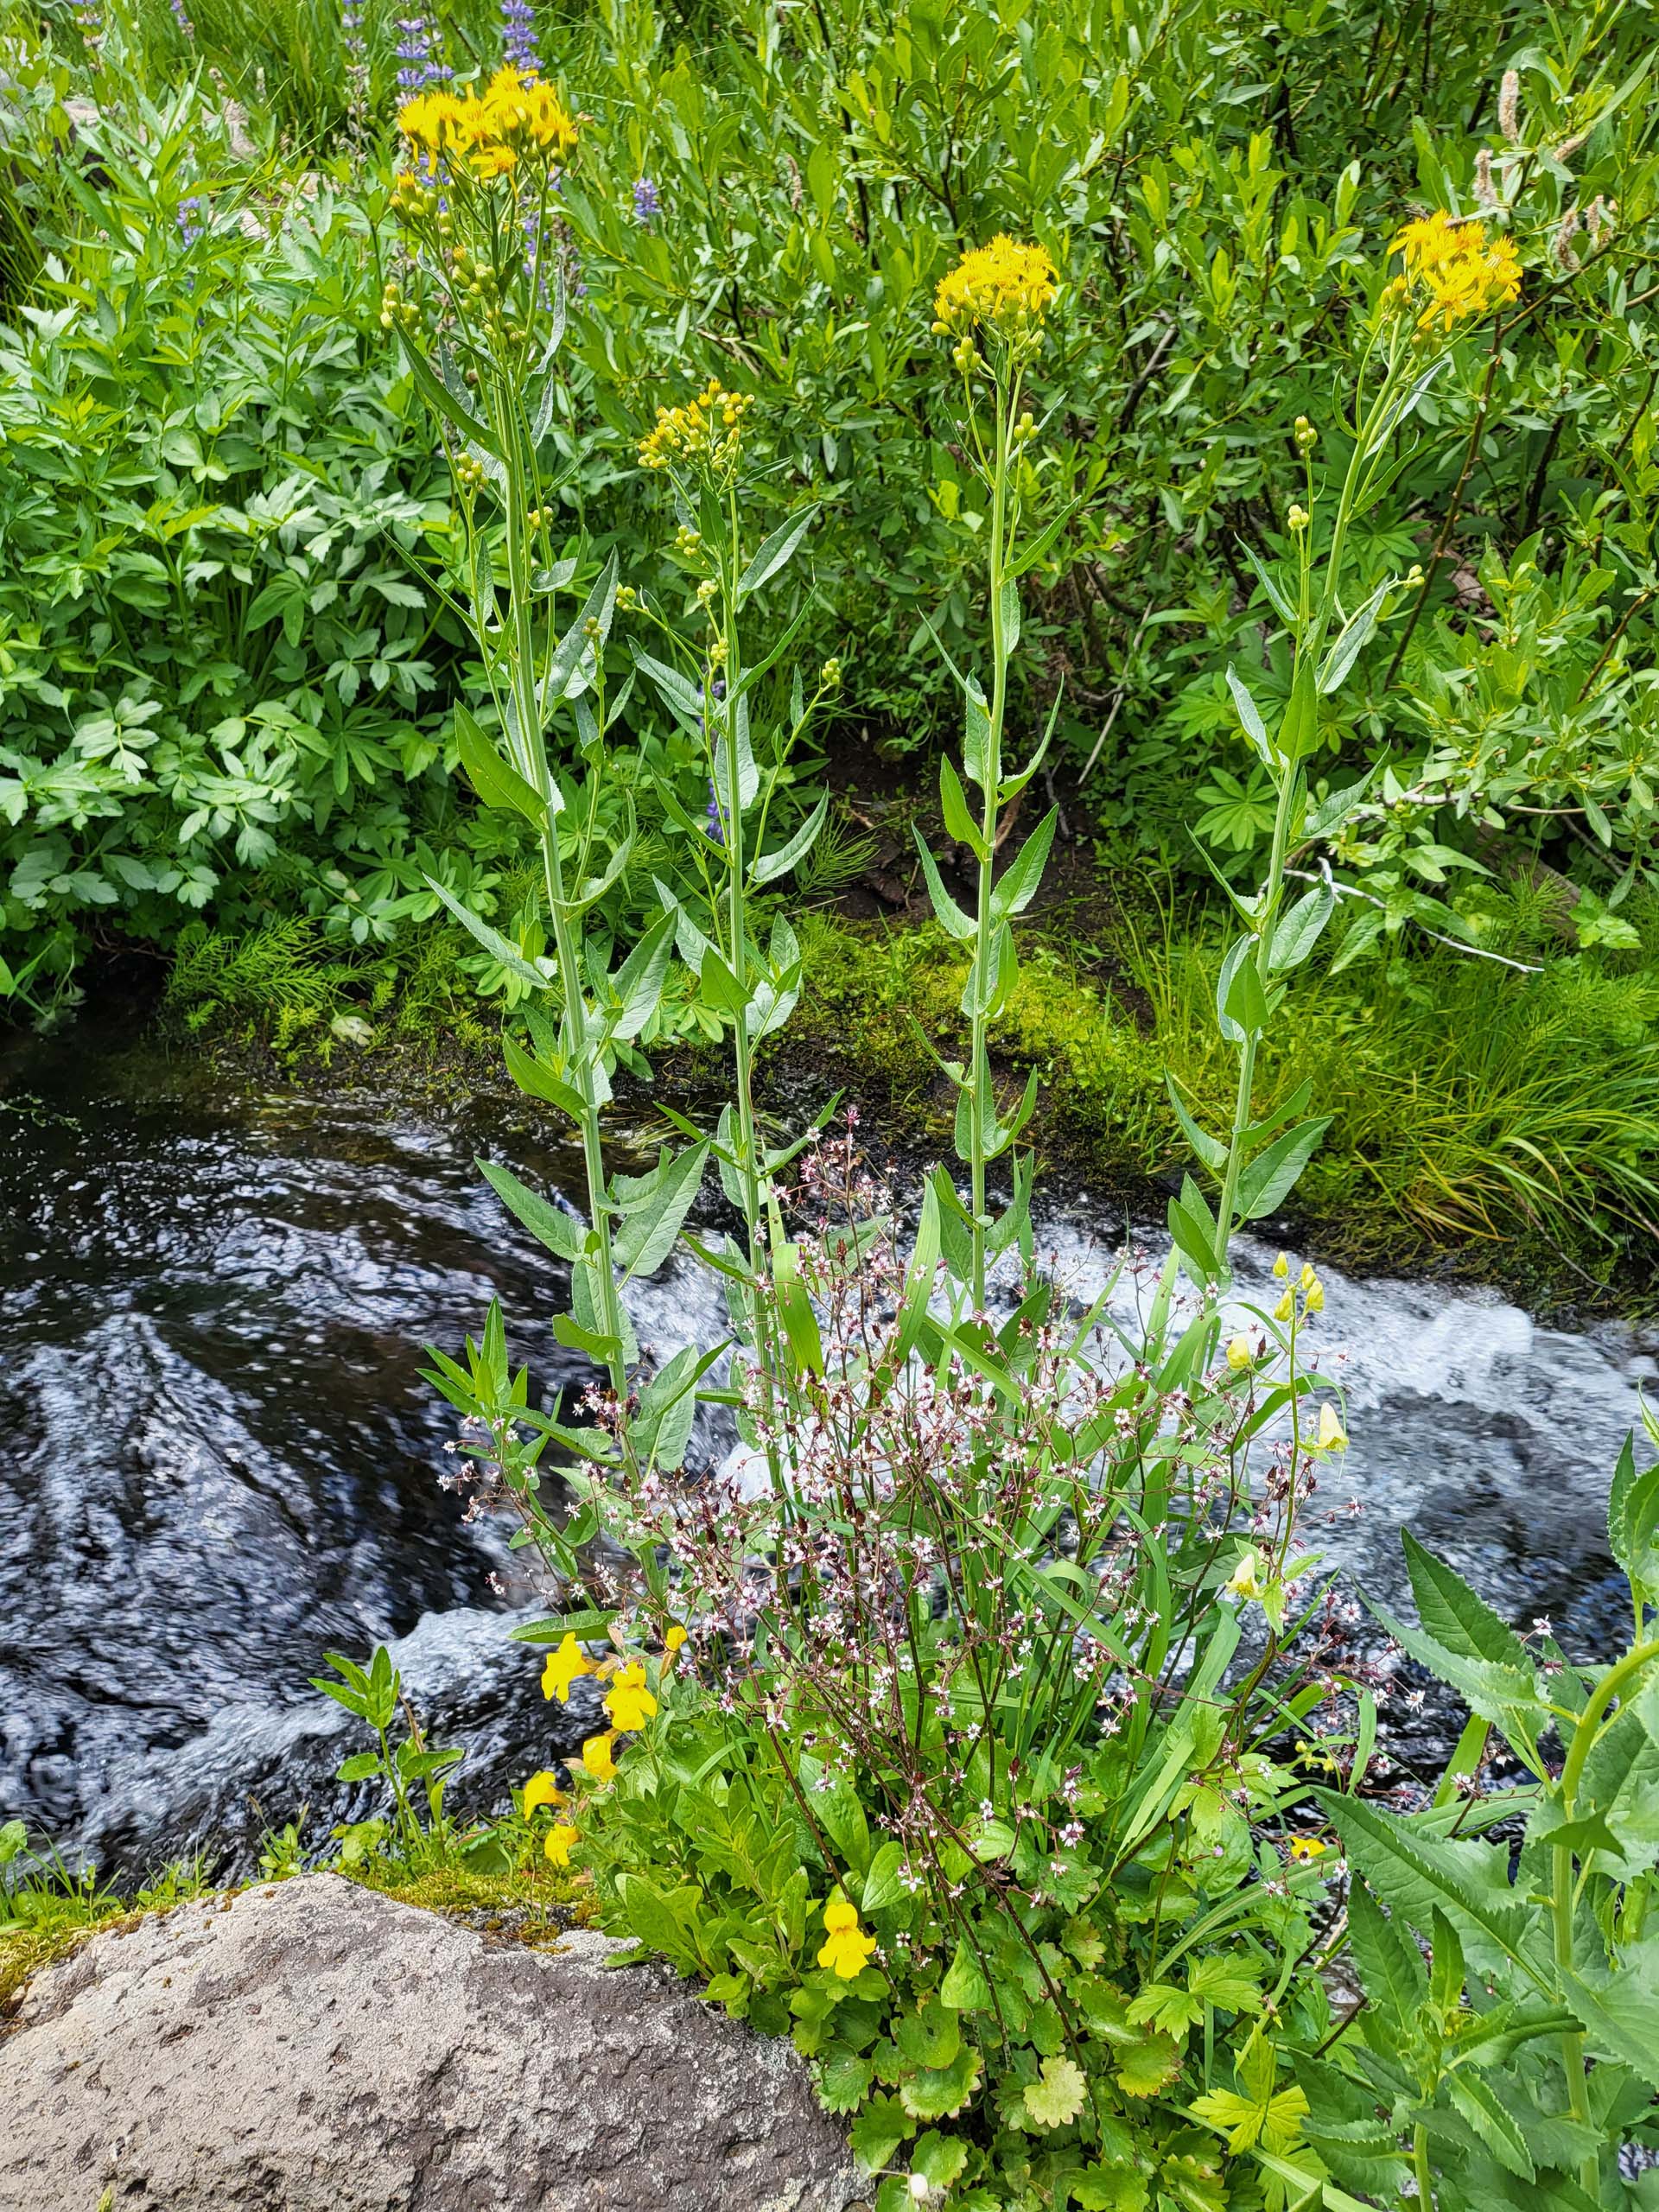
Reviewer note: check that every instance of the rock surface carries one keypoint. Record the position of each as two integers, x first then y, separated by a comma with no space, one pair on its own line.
312,2047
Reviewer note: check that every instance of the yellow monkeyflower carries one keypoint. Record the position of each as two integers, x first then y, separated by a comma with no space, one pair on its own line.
847,1948
1308,1846
541,1789
1286,1307
562,1669
560,1837
628,1701
1281,1266
596,1756
706,429
675,1638
1239,1354
1453,270
1245,1580
1006,286
1315,1301
1332,1437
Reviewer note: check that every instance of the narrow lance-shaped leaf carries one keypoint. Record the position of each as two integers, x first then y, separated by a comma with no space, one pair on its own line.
507,956
774,554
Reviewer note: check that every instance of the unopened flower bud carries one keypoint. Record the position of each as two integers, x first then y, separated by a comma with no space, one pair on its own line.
1297,518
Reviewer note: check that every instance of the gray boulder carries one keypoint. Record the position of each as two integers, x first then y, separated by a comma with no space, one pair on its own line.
311,2047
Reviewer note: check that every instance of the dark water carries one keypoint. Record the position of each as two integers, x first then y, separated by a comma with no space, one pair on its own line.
218,1458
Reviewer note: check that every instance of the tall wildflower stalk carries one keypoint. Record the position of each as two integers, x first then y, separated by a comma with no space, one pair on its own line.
717,693
481,330
1451,273
995,303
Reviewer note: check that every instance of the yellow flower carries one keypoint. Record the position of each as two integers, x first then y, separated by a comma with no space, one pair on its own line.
1308,1846
675,1638
1331,1435
1453,270
559,1840
707,428
847,1948
541,1789
1315,1301
596,1756
1281,1266
562,1669
1005,285
486,135
628,1702
1239,1354
1286,1307
1245,1580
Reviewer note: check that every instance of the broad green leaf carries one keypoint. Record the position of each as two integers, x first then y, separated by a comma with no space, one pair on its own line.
1249,716
539,1081
1390,1965
953,805
1022,878
1352,637
1413,1870
1619,2007
772,865
496,782
951,916
1297,931
1269,1178
504,954
646,1234
548,1223
884,1885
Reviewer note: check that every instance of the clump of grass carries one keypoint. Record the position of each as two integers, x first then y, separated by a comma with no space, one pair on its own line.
1470,1103
48,1909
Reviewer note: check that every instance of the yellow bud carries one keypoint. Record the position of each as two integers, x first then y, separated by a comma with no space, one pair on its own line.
1281,1266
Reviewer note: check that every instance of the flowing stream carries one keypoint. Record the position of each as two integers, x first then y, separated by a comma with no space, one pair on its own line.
218,1457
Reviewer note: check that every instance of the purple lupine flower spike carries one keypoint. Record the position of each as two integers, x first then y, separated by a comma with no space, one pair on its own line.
646,200
519,38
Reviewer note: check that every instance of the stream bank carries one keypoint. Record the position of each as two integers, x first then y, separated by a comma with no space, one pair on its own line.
218,1458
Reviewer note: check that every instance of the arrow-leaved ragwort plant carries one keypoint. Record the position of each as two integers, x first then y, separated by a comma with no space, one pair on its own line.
961,1726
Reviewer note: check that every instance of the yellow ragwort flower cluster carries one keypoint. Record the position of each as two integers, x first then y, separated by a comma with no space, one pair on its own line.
487,135
1006,286
1453,270
706,429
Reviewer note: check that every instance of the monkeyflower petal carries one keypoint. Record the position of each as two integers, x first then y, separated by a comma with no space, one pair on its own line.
596,1756
542,1789
560,1837
563,1668
847,1948
1239,1354
1332,1436
628,1701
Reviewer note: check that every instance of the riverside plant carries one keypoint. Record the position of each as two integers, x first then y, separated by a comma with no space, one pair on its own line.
981,1724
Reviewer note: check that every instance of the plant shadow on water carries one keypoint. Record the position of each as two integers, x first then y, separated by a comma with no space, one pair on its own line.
218,1457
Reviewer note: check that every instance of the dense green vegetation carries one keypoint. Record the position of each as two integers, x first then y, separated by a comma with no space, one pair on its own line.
230,657
557,547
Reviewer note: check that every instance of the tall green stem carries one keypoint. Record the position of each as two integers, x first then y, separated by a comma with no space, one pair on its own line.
532,763
978,1073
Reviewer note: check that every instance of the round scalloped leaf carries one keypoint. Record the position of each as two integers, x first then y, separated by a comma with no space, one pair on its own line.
1150,2066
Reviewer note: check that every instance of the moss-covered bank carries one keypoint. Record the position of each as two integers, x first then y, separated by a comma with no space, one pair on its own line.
1493,1123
